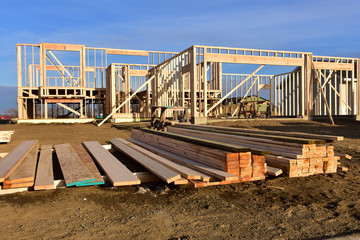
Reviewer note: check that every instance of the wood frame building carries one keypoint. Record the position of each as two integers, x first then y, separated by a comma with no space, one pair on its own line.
94,87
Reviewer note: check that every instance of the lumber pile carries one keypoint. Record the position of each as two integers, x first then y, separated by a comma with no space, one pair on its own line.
5,136
296,154
226,163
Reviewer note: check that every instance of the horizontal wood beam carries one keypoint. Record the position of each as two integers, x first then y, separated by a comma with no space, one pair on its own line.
137,72
63,47
229,58
334,66
127,52
67,100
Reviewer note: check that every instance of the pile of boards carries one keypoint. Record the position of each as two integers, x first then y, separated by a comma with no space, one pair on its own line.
221,163
297,154
200,155
5,136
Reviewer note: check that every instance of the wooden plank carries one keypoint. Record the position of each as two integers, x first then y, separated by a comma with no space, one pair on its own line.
12,190
207,143
212,157
181,181
137,72
245,139
333,66
60,46
234,140
44,175
89,163
74,170
64,100
184,171
190,163
290,134
118,174
18,185
25,171
153,166
15,157
229,58
126,52
257,135
274,171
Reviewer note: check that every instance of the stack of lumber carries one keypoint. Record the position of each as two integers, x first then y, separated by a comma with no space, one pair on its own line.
297,154
222,163
17,169
5,136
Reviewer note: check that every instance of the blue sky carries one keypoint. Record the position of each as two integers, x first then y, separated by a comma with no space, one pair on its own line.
322,27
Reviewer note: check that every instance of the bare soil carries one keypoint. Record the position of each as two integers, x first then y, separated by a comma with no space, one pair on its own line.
315,207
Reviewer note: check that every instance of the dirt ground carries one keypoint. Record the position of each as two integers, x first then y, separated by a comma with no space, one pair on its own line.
315,207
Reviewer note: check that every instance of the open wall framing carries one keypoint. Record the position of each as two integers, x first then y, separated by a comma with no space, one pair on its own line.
63,81
58,81
303,92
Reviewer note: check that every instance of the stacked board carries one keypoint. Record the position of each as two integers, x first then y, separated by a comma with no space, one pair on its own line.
295,153
239,163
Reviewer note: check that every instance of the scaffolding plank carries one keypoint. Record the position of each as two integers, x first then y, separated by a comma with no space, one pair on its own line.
117,173
131,150
44,174
73,169
15,157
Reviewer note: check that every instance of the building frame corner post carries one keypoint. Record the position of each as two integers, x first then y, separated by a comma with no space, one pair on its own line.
308,86
357,89
193,84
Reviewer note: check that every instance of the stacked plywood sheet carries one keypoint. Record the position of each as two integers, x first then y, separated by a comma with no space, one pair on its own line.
296,154
236,163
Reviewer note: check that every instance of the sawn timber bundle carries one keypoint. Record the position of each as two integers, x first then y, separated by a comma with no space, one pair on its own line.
297,154
199,155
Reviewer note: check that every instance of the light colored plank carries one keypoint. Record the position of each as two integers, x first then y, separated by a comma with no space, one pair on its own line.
183,170
153,166
14,158
181,181
274,171
73,169
12,190
117,173
44,175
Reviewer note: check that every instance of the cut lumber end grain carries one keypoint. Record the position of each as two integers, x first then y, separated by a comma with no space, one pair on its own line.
342,168
153,166
181,181
274,171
